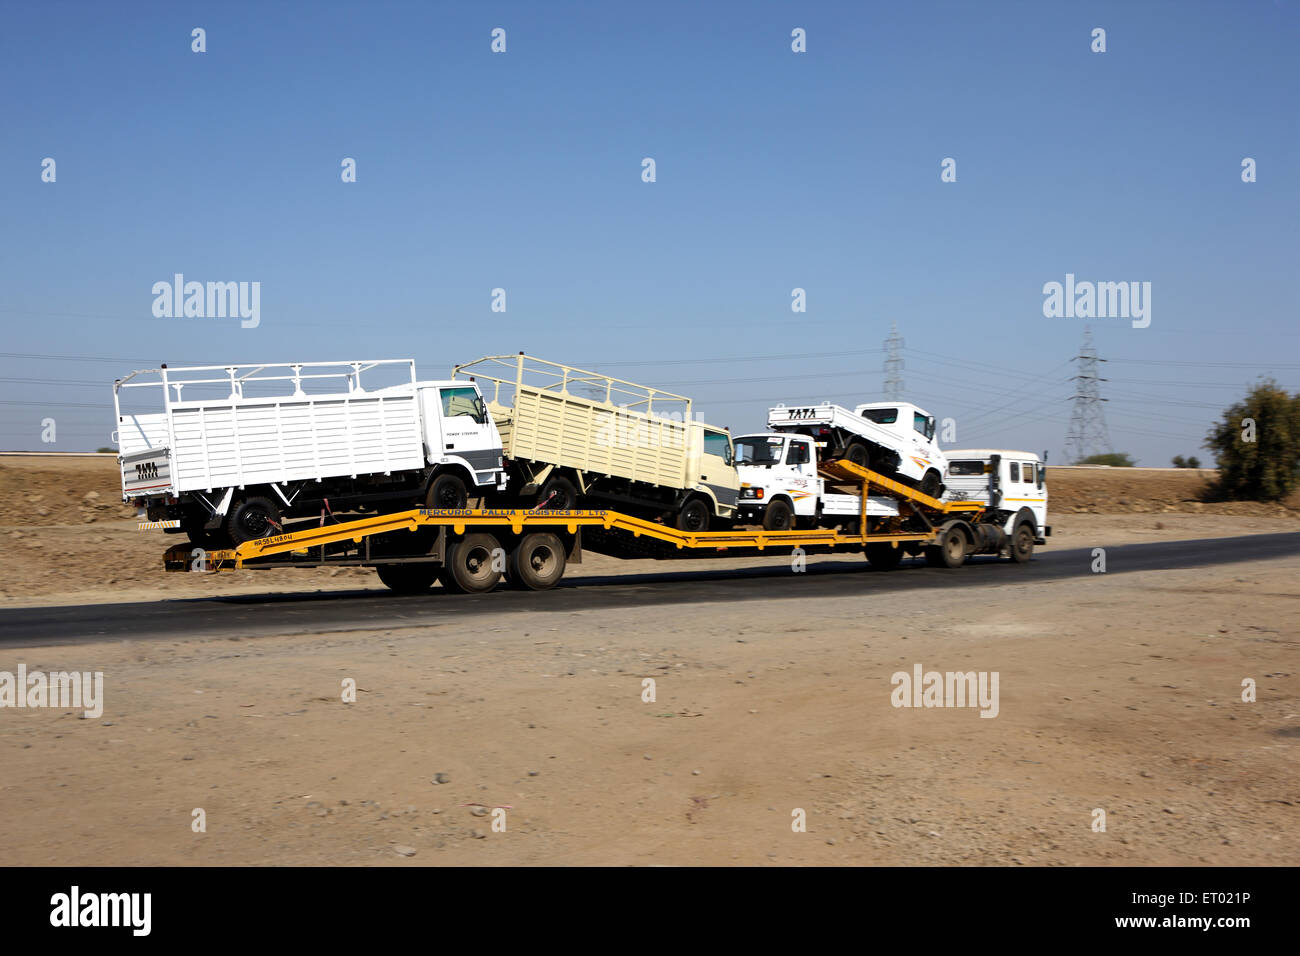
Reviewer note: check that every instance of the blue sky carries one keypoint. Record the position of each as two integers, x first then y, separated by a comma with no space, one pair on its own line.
775,170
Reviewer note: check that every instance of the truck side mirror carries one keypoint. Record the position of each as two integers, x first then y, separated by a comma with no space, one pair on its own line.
1042,474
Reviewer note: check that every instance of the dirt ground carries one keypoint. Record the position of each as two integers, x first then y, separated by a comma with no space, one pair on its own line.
1120,693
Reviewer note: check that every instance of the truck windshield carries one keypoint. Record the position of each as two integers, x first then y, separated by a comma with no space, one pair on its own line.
881,416
463,401
962,468
758,451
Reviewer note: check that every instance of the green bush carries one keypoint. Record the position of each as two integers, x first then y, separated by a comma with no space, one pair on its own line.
1114,459
1257,445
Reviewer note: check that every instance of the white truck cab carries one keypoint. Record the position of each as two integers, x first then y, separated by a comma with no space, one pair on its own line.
1014,483
781,489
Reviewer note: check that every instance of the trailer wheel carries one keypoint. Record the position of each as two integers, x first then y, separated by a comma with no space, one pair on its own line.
469,564
694,516
537,562
884,557
408,578
558,494
1021,547
931,484
950,552
447,492
779,516
252,518
858,454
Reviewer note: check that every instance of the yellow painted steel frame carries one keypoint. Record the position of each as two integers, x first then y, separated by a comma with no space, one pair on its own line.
460,520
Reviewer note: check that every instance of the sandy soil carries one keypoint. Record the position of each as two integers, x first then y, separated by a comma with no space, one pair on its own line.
1117,692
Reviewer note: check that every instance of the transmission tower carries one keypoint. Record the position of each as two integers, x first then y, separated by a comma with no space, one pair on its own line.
894,365
1087,434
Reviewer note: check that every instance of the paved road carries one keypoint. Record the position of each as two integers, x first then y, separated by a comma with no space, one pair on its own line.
311,613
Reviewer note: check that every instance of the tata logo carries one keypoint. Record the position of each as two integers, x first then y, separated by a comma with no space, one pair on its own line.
796,413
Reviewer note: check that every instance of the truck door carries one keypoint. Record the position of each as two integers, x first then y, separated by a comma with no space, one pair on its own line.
718,469
467,431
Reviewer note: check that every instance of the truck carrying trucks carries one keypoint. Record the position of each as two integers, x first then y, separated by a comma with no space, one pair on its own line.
238,449
892,438
576,438
474,550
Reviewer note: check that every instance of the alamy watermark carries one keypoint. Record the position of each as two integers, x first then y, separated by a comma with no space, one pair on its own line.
59,689
952,689
213,300
1098,300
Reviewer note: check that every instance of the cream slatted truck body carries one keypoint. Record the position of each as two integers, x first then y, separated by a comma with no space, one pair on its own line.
227,468
573,437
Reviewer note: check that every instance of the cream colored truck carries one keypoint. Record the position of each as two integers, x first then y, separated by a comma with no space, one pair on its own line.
573,438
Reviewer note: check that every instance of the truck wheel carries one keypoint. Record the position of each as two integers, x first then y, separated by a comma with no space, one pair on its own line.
252,518
950,552
779,516
694,516
558,494
408,578
447,492
469,564
931,484
537,562
1021,547
858,454
884,557
201,537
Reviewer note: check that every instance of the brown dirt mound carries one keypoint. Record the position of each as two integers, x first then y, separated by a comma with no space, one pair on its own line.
1149,491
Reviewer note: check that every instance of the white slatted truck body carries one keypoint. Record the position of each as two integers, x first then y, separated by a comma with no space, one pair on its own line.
892,438
228,468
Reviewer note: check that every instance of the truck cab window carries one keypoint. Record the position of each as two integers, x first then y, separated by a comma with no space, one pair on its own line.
1027,472
463,401
881,416
922,423
717,443
964,468
798,454
1015,471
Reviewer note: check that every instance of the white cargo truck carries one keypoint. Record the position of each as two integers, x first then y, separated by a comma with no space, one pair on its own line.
1013,487
891,438
781,489
236,449
573,437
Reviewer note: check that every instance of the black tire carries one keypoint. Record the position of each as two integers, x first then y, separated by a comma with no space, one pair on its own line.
468,564
1021,546
859,454
694,516
537,562
253,518
950,552
558,494
884,557
931,484
779,516
447,492
192,526
408,578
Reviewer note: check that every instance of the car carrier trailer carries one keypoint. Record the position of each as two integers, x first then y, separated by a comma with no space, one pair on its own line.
472,550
